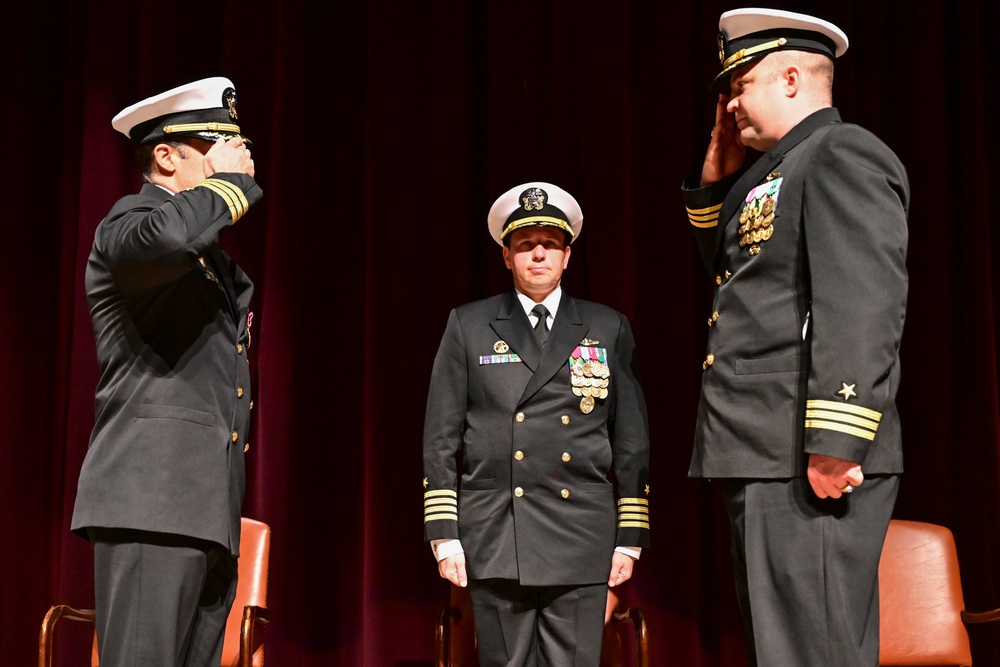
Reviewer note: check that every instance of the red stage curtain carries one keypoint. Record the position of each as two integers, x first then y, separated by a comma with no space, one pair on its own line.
383,131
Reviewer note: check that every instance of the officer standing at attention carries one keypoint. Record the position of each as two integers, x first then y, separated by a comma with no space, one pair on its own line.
538,395
806,247
161,487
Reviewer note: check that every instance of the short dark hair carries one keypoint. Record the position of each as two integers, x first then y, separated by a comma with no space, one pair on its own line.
144,156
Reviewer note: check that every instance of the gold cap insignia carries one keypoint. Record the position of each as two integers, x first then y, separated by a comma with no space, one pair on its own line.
533,199
229,101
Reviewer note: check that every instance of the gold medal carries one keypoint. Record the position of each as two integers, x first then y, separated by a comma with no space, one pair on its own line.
586,405
760,209
604,393
577,391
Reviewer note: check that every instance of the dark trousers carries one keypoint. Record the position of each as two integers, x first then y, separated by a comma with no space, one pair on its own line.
538,626
807,570
162,600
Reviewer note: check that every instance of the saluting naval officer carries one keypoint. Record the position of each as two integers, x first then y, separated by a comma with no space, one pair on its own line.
539,395
162,484
806,247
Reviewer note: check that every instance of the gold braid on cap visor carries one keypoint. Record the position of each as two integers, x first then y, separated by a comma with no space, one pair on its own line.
538,220
202,127
743,53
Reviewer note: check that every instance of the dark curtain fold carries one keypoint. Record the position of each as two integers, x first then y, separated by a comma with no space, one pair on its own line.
383,131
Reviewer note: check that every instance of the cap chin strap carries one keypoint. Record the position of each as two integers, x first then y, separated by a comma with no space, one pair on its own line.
202,127
743,53
538,220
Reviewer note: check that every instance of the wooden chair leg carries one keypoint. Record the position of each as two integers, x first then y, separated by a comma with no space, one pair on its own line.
252,627
638,620
442,638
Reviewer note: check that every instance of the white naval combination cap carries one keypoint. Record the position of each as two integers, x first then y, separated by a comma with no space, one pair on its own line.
535,204
205,109
746,35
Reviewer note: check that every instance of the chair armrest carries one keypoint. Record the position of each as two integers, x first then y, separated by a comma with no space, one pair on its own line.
49,625
981,616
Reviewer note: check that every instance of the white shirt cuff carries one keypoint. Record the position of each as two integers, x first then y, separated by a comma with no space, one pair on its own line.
444,548
630,551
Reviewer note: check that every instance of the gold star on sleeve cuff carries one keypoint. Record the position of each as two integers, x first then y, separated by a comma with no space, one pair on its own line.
441,505
848,391
633,513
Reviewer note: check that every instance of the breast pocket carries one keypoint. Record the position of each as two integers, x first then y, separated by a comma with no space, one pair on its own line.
485,484
177,412
762,365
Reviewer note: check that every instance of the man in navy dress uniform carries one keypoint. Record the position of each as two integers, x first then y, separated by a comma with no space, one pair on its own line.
806,247
161,487
534,402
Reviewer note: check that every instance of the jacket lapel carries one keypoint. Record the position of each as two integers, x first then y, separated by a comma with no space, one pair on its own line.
568,329
513,327
224,272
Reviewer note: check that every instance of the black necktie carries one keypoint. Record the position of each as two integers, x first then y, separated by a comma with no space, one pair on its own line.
542,325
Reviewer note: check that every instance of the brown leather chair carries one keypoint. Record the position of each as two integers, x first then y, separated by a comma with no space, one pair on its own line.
921,606
455,635
244,642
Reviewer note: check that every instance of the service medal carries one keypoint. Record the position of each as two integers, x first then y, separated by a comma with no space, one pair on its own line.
758,214
589,375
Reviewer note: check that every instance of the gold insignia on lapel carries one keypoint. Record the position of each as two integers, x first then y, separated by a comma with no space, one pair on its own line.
587,341
205,271
773,175
848,391
500,347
